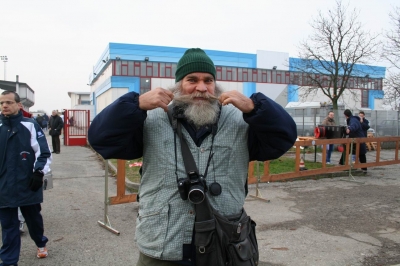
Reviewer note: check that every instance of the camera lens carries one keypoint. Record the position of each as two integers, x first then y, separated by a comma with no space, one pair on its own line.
196,194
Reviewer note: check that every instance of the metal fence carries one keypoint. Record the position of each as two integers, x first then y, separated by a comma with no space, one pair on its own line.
381,122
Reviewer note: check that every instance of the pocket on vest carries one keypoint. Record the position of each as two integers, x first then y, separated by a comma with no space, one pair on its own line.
151,229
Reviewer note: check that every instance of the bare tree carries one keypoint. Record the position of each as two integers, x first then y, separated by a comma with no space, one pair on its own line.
391,52
328,59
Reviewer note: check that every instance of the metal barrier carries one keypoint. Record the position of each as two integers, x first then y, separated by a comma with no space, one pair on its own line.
120,198
76,126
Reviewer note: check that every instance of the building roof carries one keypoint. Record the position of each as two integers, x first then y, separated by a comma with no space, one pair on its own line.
302,105
78,92
10,85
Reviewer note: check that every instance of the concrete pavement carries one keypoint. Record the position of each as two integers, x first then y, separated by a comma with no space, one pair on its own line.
312,222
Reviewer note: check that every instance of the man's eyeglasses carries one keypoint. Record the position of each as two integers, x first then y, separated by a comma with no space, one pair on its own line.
7,102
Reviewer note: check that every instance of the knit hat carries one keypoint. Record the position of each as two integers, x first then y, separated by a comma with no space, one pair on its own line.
347,113
194,60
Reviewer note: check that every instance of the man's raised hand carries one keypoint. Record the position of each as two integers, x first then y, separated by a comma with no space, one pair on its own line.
240,101
158,97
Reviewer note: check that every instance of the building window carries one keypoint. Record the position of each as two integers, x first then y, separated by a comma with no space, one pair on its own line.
229,75
223,73
168,71
254,77
145,85
264,76
137,68
219,73
364,98
131,68
149,69
155,69
162,70
85,102
287,78
239,74
117,68
245,76
124,68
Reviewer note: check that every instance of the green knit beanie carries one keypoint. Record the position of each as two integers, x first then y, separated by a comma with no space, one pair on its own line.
194,60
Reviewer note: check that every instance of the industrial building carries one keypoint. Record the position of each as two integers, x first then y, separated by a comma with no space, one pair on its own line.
122,68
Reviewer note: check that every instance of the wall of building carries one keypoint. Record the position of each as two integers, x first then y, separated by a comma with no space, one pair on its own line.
269,59
103,84
109,97
163,83
103,76
350,98
77,99
230,86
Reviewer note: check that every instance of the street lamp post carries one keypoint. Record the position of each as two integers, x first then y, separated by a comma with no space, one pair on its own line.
4,59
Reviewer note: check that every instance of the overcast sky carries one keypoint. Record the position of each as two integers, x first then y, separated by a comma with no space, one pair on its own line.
52,44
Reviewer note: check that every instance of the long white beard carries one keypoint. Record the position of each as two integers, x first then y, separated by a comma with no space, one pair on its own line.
200,113
203,113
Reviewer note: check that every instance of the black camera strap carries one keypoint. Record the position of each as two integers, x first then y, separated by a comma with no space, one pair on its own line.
188,159
203,211
187,155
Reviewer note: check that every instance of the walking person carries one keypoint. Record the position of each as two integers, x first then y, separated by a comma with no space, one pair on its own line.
55,127
224,131
24,159
329,121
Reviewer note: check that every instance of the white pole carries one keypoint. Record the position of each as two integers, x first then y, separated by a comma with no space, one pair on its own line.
4,59
17,85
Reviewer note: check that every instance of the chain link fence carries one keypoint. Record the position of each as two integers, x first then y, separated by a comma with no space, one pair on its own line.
381,122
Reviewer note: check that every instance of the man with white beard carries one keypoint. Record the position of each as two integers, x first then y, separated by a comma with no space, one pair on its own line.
224,130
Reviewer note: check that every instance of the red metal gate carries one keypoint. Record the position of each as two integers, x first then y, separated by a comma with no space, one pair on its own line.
76,125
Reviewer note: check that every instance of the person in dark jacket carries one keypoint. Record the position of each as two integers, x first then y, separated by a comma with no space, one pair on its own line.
39,119
24,159
354,130
56,125
329,121
45,122
235,128
364,123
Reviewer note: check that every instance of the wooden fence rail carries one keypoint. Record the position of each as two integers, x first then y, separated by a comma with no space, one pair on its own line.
121,197
268,177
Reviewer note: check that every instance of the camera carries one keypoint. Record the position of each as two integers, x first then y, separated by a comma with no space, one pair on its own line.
192,187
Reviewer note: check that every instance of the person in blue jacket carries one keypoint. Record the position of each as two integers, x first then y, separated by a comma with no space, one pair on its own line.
364,123
24,159
224,131
355,130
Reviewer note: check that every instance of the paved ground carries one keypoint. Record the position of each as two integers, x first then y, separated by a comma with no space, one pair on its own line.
312,222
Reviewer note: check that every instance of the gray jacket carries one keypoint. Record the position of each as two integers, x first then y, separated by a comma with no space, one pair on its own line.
165,221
